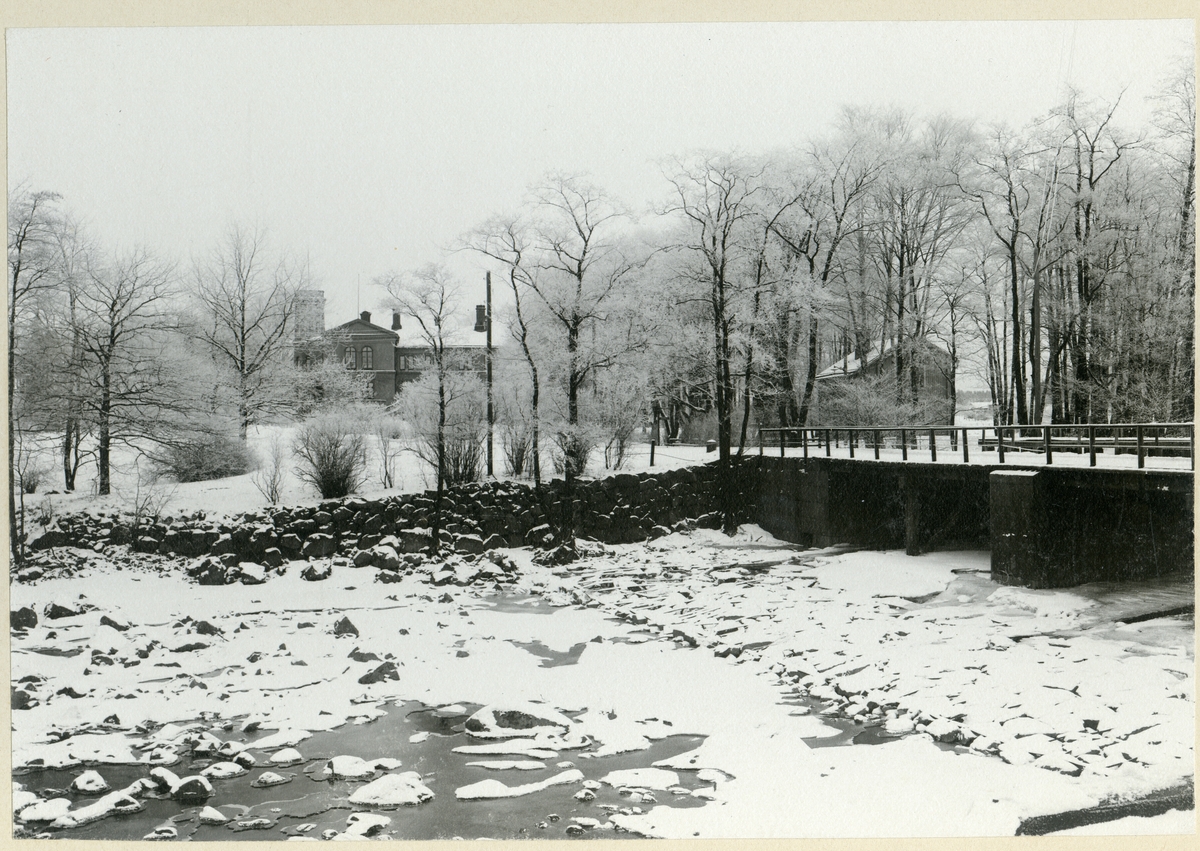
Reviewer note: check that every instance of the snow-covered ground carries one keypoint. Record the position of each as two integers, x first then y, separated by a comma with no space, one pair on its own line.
990,705
238,493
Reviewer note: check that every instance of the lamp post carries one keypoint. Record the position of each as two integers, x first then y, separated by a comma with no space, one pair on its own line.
483,323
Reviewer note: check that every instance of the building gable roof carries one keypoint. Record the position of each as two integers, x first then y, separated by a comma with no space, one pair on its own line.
361,326
850,365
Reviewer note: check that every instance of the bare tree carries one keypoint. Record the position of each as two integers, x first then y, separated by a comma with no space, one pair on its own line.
124,326
430,296
33,222
716,196
506,239
247,302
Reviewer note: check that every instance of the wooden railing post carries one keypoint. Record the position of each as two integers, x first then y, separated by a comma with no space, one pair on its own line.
804,440
1000,443
1046,443
966,451
904,443
1091,446
828,451
1140,449
932,445
876,444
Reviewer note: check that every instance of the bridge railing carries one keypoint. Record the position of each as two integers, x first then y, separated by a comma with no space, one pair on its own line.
1178,439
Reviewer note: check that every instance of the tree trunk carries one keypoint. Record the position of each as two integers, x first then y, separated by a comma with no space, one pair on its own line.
105,440
810,378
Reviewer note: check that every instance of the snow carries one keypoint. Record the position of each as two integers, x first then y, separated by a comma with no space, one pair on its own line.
491,789
392,790
1037,678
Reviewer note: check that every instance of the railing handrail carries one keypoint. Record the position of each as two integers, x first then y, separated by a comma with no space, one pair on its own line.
976,427
1043,439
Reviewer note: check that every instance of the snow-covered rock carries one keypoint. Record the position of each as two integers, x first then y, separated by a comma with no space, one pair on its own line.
393,790
489,789
90,783
112,803
287,756
270,778
509,764
48,810
224,770
211,815
645,778
509,721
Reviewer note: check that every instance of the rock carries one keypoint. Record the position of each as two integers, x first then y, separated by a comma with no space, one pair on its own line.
943,730
90,783
500,722
287,756
494,542
194,788
469,544
585,795
49,810
360,825
249,573
899,726
362,656
54,611
105,620
205,628
313,573
211,815
364,558
272,557
119,802
345,627
349,768
245,758
23,618
509,764
492,789
162,833
386,671
645,778
393,790
224,770
318,545
270,778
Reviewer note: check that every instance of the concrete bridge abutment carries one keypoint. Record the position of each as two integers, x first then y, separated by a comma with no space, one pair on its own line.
1046,527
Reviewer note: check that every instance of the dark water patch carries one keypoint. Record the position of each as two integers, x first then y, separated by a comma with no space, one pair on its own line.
311,800
550,657
518,604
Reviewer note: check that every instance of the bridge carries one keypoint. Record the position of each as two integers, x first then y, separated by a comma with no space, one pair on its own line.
1056,505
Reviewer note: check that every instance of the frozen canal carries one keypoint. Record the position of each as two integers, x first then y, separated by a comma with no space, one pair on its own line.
693,686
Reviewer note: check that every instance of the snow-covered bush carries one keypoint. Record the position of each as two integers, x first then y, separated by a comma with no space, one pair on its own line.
268,478
332,456
205,455
465,425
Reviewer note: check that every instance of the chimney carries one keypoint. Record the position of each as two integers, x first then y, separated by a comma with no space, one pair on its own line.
395,321
365,316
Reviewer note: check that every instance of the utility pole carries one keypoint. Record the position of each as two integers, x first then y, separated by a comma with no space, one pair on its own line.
483,323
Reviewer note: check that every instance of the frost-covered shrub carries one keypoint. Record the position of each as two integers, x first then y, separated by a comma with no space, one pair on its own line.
332,457
207,455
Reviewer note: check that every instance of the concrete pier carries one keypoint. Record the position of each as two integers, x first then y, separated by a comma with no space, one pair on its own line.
1046,527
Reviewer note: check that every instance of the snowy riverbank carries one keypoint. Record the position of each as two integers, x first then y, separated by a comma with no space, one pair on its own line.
1000,704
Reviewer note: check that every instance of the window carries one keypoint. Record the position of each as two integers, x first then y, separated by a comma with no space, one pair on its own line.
351,357
368,358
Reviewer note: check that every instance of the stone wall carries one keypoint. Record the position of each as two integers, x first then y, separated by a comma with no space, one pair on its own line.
476,517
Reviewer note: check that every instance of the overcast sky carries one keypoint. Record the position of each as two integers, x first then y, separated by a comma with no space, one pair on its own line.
368,149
